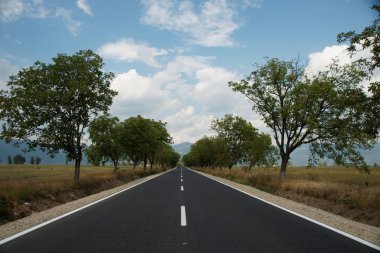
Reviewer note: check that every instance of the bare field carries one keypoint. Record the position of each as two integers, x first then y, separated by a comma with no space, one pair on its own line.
342,191
25,189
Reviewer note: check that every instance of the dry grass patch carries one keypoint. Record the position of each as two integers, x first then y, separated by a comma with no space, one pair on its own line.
30,188
343,191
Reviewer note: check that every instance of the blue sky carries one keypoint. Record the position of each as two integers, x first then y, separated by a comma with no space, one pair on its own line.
173,59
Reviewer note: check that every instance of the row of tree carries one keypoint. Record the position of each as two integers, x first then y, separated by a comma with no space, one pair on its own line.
51,107
237,143
19,159
137,139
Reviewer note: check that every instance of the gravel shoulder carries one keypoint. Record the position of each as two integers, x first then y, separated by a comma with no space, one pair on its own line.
12,228
363,231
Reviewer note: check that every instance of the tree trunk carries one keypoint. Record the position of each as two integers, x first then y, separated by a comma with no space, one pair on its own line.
134,166
284,165
115,163
77,170
151,164
145,162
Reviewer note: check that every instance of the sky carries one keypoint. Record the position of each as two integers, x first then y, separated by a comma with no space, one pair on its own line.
173,59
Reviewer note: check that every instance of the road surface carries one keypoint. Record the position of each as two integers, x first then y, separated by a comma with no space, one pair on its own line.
191,213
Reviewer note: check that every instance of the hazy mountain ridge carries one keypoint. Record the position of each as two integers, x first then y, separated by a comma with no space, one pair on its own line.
8,149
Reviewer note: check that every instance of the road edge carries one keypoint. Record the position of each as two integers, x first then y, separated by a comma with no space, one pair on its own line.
353,237
61,216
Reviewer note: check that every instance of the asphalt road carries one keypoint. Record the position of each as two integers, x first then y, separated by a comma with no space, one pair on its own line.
196,214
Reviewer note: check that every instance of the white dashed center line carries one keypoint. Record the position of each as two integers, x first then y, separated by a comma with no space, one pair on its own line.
181,188
183,216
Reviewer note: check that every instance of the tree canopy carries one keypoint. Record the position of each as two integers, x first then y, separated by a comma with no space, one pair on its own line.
106,135
326,110
237,143
51,105
368,39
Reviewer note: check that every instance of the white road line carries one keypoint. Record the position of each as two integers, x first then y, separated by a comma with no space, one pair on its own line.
181,180
369,244
76,210
181,188
183,216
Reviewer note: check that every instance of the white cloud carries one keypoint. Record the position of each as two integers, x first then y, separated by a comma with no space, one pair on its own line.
318,61
84,6
71,24
129,50
211,26
139,95
187,125
212,90
187,94
12,10
6,69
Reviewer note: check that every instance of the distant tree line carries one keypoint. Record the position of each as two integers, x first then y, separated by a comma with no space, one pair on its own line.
137,140
237,143
19,159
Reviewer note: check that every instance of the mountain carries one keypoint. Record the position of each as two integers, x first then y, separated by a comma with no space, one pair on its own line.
8,149
301,155
182,148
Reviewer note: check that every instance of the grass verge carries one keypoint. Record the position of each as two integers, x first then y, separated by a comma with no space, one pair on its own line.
25,189
343,191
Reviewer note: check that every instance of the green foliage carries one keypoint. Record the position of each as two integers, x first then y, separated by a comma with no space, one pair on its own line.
51,105
237,135
105,134
143,139
38,160
259,151
206,152
32,160
9,159
18,159
327,110
237,142
369,38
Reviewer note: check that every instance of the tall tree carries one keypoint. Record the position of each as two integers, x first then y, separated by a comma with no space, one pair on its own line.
38,160
32,160
51,105
18,159
235,131
327,110
157,138
142,138
105,134
258,151
9,159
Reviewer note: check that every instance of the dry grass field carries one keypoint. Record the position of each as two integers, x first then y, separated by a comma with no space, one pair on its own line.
29,188
343,191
